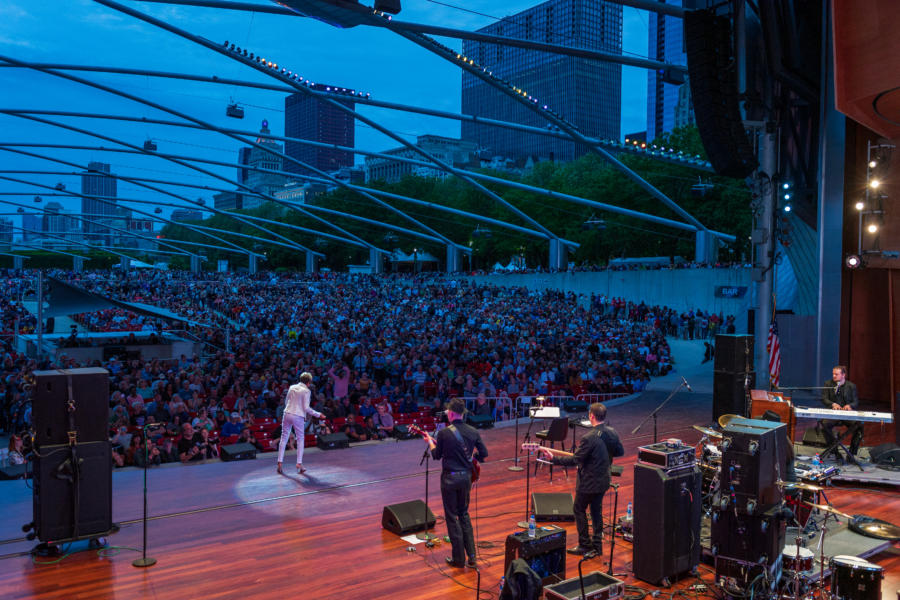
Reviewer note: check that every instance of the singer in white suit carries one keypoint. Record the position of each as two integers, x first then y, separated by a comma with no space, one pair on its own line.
296,407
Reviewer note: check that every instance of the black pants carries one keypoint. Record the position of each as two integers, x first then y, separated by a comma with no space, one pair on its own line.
455,486
594,502
855,429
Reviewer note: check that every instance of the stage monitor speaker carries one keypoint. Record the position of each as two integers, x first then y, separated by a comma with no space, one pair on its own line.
61,492
714,93
729,397
331,441
406,517
667,506
50,413
13,472
886,455
734,353
552,507
545,553
814,437
242,451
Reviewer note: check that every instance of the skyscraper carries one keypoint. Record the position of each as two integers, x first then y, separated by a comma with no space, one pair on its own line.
668,104
586,92
307,118
266,183
94,184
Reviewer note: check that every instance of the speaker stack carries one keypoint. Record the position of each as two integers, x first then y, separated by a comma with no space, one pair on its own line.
72,497
667,506
733,367
747,523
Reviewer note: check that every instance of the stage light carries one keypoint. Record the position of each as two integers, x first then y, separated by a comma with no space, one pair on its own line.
873,164
860,205
852,262
874,184
873,228
787,208
787,196
786,186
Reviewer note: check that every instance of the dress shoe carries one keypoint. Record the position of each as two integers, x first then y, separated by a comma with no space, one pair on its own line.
453,563
580,550
471,563
300,469
280,472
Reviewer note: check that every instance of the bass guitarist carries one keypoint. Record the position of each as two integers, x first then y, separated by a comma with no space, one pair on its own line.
458,446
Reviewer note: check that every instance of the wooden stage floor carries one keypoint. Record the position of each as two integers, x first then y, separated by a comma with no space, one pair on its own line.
239,530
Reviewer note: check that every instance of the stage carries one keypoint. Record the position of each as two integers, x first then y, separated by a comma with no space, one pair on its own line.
239,530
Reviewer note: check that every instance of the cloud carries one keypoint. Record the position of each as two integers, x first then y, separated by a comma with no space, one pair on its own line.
20,42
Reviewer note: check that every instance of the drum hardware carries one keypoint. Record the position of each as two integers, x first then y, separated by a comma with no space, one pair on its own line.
794,485
724,420
853,578
707,431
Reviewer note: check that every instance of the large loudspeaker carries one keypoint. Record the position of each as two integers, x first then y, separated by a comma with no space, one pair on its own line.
553,507
406,517
242,451
90,394
755,539
886,455
734,353
756,455
667,506
61,491
728,393
332,441
714,93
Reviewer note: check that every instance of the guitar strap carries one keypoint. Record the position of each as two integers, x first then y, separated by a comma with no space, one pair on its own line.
459,437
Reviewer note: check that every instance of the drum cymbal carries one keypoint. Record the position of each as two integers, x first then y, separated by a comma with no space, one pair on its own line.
726,419
875,528
796,485
829,509
707,467
707,431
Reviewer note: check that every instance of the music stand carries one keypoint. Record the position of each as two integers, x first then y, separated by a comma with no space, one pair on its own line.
515,466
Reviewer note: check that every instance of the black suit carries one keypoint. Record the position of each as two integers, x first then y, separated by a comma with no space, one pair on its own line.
456,482
843,395
593,458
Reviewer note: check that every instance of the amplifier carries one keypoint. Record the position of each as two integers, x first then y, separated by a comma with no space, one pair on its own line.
667,455
597,586
545,553
735,576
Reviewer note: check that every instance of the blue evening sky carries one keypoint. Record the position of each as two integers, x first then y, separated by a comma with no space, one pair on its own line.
86,33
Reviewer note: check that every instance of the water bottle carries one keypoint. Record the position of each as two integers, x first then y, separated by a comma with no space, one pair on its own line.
817,461
629,512
532,527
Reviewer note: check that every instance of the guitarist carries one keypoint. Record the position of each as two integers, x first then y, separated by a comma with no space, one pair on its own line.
594,459
457,446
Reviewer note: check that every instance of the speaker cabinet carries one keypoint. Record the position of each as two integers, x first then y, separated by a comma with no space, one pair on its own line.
728,393
90,395
552,507
73,503
714,93
885,455
734,353
406,517
545,553
756,539
666,522
332,441
241,451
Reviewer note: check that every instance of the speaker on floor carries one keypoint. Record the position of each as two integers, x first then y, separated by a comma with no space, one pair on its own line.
728,393
714,93
89,390
734,353
332,441
814,437
885,455
553,507
73,491
667,506
13,472
242,451
406,517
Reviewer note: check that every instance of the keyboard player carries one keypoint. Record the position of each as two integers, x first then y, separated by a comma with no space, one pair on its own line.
840,394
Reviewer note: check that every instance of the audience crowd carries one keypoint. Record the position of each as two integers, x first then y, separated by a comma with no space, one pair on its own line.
377,346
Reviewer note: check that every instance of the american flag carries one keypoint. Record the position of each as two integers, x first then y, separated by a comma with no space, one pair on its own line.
773,347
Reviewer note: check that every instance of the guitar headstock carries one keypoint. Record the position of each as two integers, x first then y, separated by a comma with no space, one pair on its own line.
417,430
531,446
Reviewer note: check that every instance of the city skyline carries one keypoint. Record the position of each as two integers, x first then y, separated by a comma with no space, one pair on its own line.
373,61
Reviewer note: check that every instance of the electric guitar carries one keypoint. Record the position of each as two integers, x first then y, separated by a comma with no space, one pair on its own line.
476,467
535,447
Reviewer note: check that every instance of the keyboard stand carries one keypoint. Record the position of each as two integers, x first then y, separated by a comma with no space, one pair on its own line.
839,443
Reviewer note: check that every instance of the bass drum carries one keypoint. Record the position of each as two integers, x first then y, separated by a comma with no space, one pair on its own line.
853,578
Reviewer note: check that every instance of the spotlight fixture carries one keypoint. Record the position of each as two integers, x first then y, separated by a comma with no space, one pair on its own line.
872,228
853,261
874,184
873,164
860,205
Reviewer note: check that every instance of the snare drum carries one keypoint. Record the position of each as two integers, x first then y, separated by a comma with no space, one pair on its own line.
791,561
853,578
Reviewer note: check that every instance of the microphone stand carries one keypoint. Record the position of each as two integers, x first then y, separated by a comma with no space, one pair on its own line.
144,560
516,466
426,456
656,410
524,524
587,556
612,542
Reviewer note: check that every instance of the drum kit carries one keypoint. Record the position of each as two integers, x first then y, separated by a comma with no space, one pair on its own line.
851,577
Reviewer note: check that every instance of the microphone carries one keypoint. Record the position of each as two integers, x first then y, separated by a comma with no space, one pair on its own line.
686,384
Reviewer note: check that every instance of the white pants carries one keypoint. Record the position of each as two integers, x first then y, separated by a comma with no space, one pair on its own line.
289,421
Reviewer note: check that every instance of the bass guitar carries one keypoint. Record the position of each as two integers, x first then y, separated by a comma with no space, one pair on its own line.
476,467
